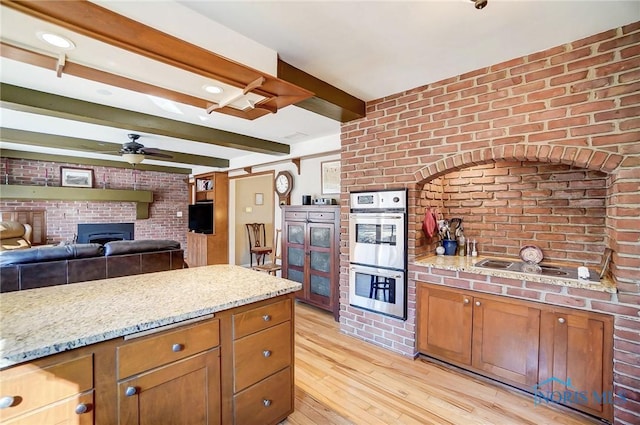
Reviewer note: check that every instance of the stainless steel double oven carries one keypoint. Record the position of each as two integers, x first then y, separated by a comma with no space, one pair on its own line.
378,252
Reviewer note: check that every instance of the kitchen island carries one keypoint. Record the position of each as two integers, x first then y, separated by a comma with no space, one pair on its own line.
204,345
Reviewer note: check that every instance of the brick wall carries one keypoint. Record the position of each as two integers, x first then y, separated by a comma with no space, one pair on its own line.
170,194
505,205
577,105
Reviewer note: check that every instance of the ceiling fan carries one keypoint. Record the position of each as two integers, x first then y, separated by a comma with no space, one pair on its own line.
134,152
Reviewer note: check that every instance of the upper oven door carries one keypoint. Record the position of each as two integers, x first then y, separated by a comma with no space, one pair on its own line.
377,239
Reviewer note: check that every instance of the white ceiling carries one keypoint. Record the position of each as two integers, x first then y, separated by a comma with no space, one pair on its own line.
368,49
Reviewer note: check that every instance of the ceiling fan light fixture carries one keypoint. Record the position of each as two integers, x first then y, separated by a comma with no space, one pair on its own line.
212,89
56,40
133,158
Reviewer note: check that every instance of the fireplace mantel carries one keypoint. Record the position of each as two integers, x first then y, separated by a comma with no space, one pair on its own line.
142,198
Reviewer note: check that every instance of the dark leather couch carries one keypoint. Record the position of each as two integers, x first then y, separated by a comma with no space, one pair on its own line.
58,265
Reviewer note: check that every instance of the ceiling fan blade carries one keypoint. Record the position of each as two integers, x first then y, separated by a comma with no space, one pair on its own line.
155,152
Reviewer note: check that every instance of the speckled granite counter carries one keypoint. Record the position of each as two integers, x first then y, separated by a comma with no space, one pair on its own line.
467,264
44,321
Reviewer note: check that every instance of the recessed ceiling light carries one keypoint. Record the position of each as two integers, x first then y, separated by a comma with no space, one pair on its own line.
56,40
212,89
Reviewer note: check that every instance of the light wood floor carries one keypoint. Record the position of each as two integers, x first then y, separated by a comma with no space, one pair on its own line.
344,381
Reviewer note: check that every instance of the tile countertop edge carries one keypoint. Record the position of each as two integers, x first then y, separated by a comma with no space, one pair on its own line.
14,357
466,264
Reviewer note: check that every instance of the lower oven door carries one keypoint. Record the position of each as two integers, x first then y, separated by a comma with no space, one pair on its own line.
380,290
377,239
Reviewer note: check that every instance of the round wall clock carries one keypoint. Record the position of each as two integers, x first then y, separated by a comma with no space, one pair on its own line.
283,186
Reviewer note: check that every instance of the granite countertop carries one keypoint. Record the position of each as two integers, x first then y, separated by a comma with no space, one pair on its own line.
467,264
44,321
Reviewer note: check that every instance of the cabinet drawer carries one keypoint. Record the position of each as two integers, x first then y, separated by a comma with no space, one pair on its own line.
261,318
33,387
62,412
156,350
295,215
259,355
322,216
266,402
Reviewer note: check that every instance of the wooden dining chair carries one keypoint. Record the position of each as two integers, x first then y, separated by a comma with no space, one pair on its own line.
276,254
257,243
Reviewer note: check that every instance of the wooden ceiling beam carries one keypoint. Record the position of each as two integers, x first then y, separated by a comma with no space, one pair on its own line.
67,159
23,137
328,100
102,24
33,101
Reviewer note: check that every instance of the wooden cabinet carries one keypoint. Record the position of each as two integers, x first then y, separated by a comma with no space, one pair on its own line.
205,249
263,364
170,378
310,253
235,368
58,389
576,347
532,346
36,218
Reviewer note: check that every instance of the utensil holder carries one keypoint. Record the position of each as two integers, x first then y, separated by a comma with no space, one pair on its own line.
450,246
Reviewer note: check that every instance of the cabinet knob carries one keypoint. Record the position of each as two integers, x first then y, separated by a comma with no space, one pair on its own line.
266,402
266,353
466,301
177,348
82,408
561,320
130,391
478,303
266,317
6,401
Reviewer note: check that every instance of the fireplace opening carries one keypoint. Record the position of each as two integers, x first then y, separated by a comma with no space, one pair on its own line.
105,232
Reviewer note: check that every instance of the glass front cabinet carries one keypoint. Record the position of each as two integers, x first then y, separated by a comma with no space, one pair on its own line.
310,254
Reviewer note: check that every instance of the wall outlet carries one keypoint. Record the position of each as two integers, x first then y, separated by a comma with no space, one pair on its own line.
179,214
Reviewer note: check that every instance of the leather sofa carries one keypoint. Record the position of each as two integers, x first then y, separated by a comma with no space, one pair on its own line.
14,235
63,264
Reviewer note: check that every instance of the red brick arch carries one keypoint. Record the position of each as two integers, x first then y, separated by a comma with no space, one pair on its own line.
585,157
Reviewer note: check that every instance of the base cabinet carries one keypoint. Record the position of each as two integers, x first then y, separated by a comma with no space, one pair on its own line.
310,253
539,348
233,369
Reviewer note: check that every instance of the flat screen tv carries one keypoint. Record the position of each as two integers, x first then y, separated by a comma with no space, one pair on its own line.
201,217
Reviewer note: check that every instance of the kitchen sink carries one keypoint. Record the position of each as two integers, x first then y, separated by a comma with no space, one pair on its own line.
536,269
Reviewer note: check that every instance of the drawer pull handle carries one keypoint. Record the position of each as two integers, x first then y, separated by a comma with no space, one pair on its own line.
130,391
266,353
6,401
466,300
478,303
561,320
177,348
266,402
266,318
81,408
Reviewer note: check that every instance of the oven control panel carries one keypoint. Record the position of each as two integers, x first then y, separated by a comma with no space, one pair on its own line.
382,200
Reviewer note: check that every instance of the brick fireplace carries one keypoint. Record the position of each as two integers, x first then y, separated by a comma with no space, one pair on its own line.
540,149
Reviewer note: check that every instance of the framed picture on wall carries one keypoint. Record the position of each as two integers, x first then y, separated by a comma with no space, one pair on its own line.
330,174
76,177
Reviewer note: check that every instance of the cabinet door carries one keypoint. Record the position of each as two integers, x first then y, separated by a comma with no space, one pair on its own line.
294,251
444,324
506,340
320,250
184,392
578,353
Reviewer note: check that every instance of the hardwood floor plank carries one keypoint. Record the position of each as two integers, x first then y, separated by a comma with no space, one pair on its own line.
345,381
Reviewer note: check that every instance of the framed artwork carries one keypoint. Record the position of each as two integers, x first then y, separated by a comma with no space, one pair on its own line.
259,199
330,177
76,177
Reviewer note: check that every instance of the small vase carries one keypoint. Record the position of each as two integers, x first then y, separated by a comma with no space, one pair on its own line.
450,246
440,250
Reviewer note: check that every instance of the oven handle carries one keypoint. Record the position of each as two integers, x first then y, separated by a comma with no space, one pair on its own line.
377,216
383,274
